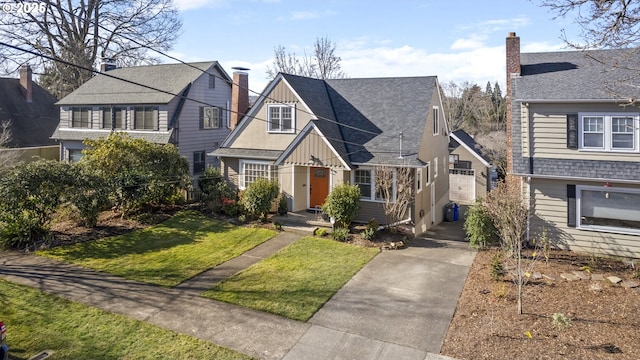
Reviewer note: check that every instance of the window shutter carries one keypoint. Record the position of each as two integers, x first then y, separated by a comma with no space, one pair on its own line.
220,114
201,117
571,205
572,131
156,117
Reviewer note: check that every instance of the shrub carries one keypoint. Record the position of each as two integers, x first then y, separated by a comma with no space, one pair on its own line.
277,225
283,207
342,204
340,234
497,269
320,232
560,321
258,196
90,195
479,226
232,207
215,189
368,233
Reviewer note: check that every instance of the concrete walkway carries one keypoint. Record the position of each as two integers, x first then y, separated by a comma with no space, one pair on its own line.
397,307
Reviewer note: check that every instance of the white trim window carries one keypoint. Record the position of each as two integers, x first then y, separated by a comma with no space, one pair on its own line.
609,131
210,117
419,179
281,118
436,121
435,167
608,209
250,171
365,179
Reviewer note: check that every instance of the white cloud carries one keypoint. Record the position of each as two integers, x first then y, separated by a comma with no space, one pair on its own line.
184,5
474,42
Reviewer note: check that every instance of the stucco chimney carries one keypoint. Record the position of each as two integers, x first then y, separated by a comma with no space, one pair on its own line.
26,82
513,69
239,96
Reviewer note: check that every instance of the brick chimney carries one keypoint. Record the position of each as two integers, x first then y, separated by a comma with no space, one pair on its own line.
107,64
513,69
26,83
239,97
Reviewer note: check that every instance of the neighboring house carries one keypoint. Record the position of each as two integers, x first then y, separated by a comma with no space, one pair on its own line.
576,145
32,116
187,105
471,174
312,135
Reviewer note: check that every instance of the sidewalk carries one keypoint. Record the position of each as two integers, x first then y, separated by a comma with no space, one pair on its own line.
251,332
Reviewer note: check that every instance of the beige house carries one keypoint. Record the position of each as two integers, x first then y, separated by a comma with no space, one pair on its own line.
312,135
576,145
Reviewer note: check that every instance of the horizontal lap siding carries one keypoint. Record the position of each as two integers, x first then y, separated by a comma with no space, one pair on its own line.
371,210
550,212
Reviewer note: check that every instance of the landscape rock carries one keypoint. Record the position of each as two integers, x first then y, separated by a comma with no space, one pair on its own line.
582,275
549,277
629,284
614,279
569,277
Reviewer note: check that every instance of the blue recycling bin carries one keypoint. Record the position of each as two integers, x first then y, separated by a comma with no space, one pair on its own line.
455,212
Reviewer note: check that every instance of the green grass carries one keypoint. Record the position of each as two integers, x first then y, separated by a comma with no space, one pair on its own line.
296,281
165,254
37,321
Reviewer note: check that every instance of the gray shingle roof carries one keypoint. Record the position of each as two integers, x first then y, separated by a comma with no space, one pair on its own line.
172,78
578,75
31,122
157,137
370,114
469,141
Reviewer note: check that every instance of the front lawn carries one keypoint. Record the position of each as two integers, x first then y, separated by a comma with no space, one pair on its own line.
296,281
37,321
165,254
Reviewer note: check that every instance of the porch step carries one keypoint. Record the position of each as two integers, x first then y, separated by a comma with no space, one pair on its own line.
299,229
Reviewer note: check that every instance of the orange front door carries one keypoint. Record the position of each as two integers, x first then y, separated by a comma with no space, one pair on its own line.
318,185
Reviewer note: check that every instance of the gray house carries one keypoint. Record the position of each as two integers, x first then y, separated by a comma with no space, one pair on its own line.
312,135
187,105
576,145
471,174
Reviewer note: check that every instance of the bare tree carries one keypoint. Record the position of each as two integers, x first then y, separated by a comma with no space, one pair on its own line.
322,64
510,214
396,198
604,23
8,157
79,32
494,147
467,107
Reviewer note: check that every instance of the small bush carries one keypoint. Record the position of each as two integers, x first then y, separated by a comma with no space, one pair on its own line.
343,204
215,189
560,321
258,196
340,234
321,232
232,207
277,225
283,207
479,226
368,233
497,269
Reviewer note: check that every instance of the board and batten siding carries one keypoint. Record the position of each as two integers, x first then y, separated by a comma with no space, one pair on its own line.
546,124
191,137
550,211
313,145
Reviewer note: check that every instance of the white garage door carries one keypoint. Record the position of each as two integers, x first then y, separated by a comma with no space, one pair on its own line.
462,185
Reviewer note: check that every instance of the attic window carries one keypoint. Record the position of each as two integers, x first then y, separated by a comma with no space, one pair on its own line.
436,121
281,118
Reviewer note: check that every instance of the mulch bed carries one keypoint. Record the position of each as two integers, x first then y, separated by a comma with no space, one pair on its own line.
604,317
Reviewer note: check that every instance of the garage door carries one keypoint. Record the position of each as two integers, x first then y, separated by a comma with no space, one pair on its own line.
462,185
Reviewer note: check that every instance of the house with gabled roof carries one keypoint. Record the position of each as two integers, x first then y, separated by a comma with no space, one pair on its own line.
30,113
312,135
574,133
471,174
185,104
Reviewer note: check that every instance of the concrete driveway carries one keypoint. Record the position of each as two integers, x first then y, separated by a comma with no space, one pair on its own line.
398,306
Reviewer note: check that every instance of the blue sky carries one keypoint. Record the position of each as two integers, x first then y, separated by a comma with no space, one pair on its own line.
457,40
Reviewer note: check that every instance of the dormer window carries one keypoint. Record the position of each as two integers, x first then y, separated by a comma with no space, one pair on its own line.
112,118
281,118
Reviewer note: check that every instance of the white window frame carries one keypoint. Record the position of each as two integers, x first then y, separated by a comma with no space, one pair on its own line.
419,180
607,131
428,174
211,118
271,170
601,228
372,197
435,167
292,108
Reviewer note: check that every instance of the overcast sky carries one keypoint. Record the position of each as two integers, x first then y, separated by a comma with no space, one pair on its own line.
457,40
